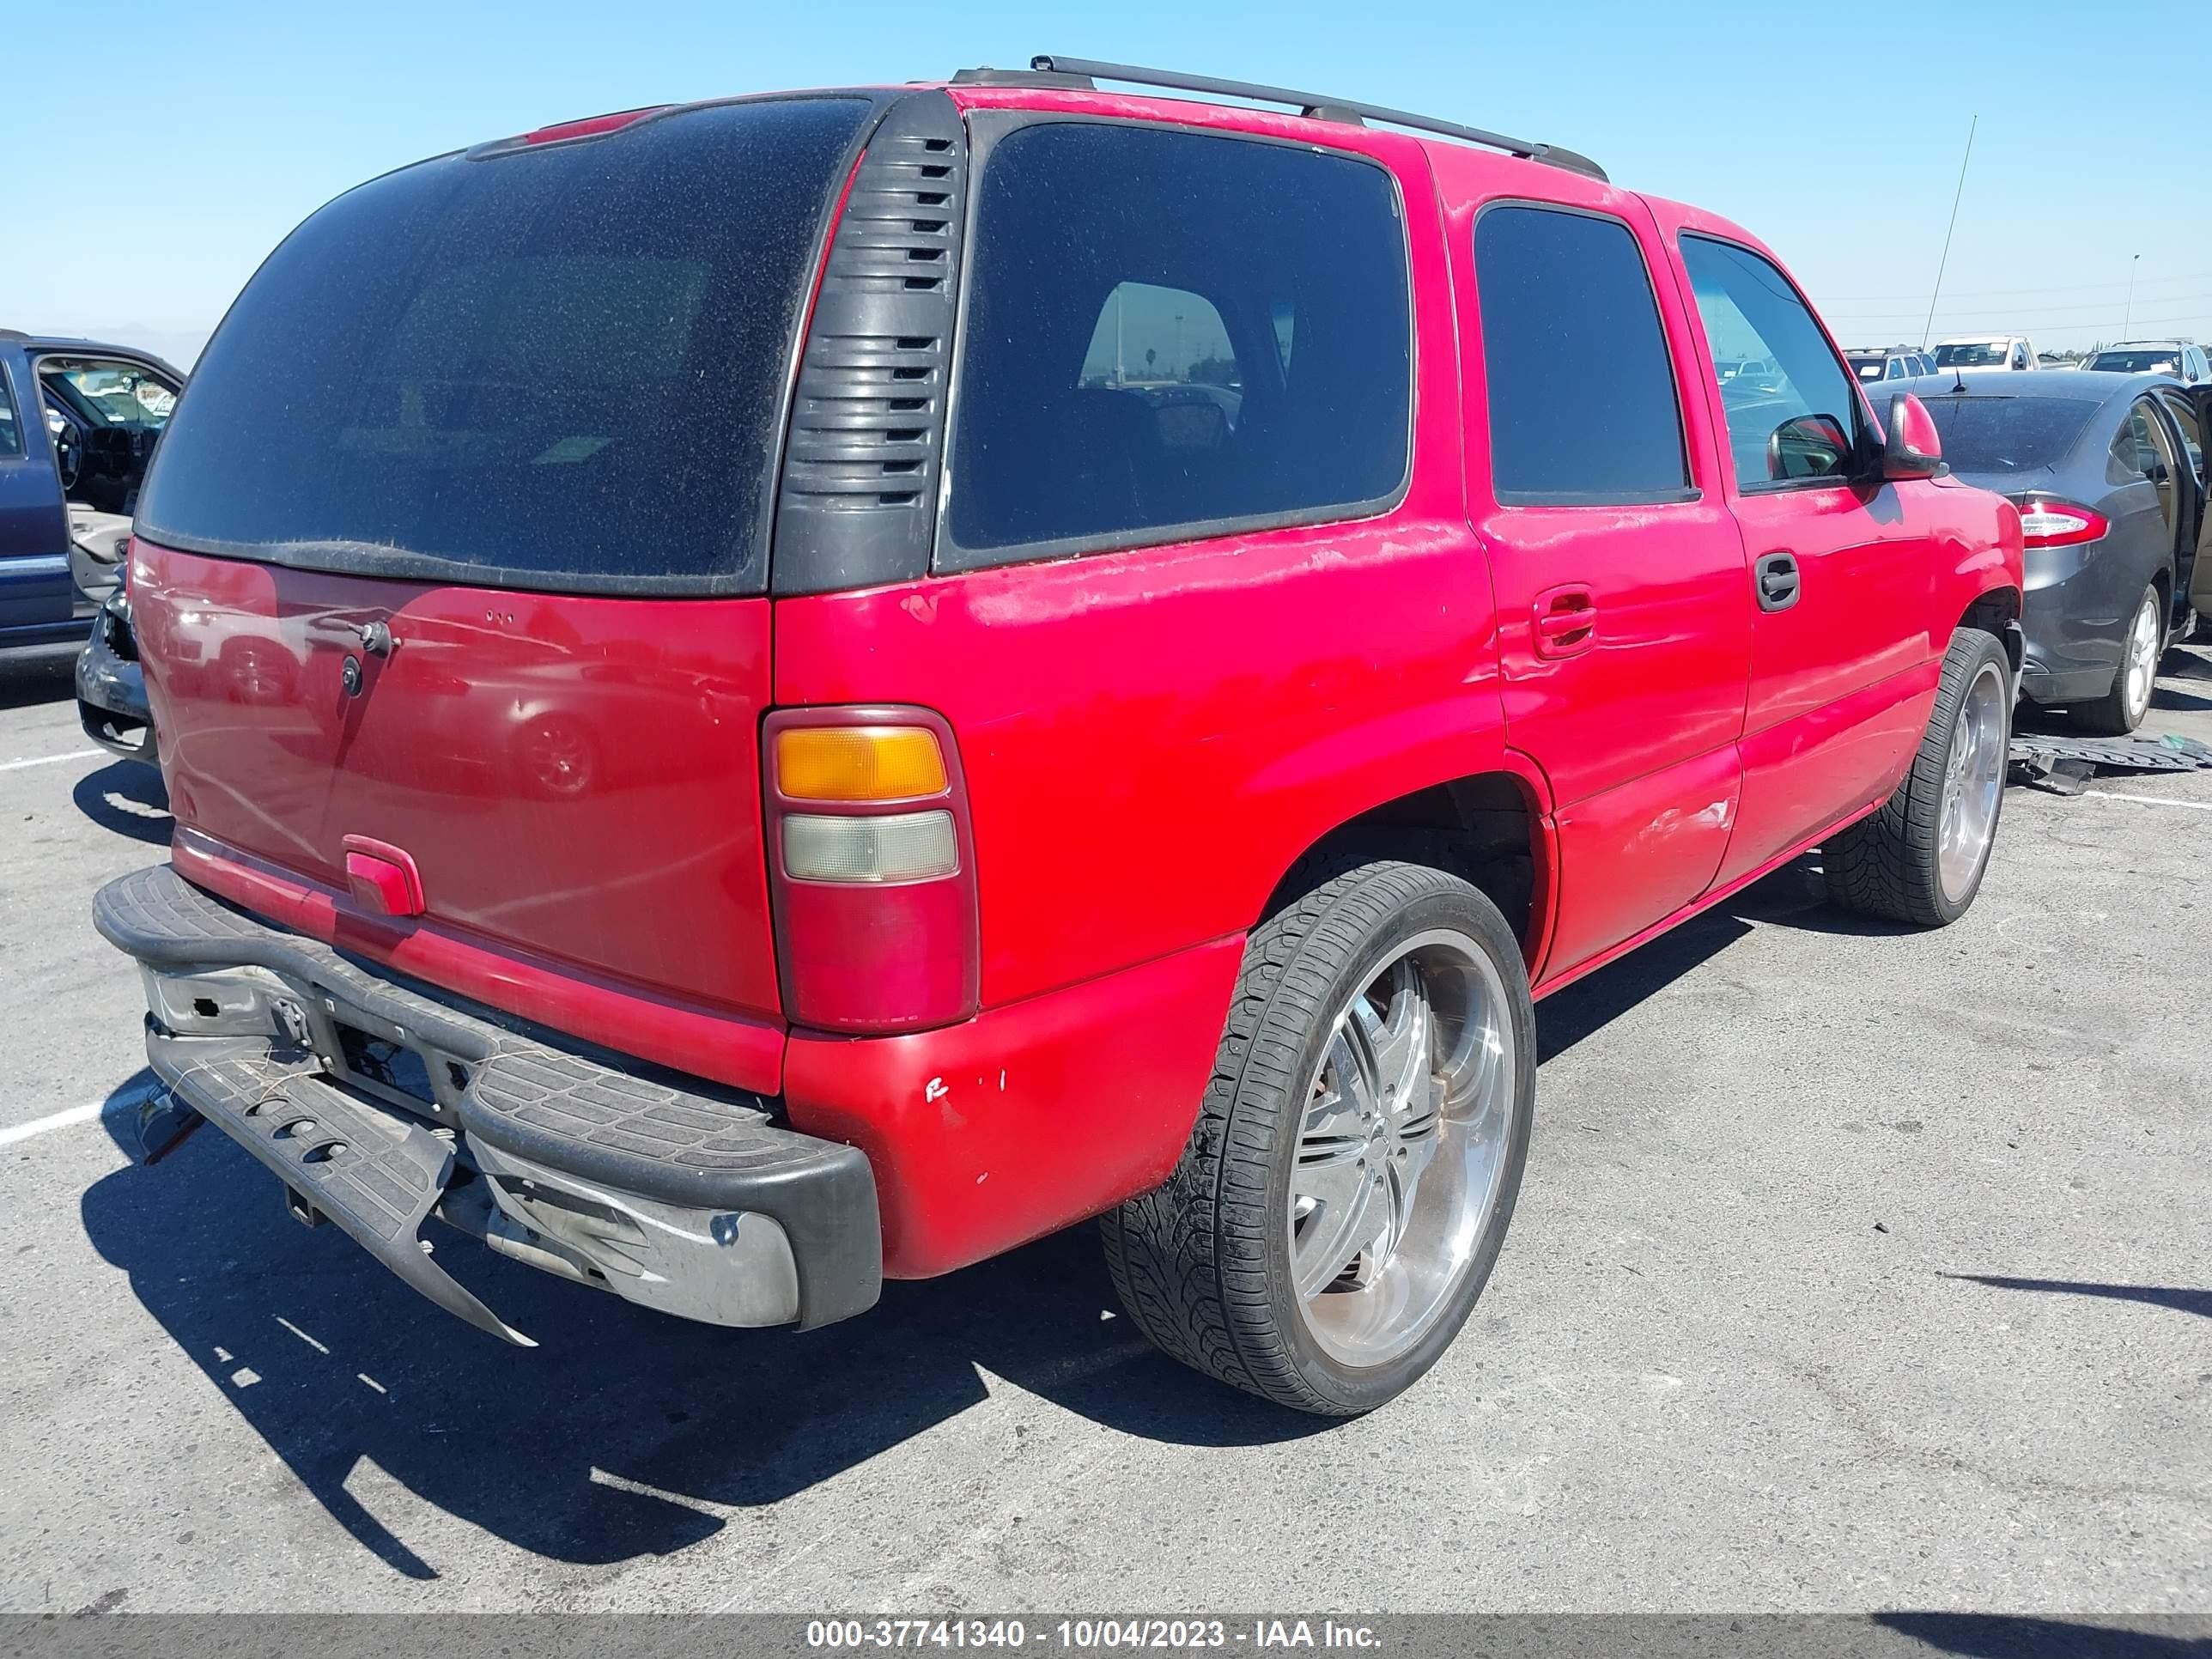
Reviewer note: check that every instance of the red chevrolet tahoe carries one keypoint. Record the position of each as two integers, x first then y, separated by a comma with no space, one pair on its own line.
771,693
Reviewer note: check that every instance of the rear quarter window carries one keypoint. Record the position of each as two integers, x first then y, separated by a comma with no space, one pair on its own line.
560,367
1170,335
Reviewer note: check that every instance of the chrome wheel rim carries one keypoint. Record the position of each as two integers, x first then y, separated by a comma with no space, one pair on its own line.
1973,779
2140,663
1401,1150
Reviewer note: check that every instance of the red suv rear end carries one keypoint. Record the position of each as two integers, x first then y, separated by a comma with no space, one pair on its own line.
765,693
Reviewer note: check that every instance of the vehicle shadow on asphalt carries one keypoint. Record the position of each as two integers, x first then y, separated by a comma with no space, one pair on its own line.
41,674
2156,1296
627,1430
128,798
2009,1636
1793,896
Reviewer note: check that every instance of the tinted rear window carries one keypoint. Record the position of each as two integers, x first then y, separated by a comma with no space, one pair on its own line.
2134,362
1579,386
2007,434
1172,334
558,367
1982,354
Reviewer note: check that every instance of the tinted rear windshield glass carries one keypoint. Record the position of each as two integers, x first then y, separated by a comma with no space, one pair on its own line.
1981,354
561,366
2007,434
2134,362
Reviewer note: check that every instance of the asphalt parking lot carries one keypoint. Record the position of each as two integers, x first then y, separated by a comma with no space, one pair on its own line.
1854,1268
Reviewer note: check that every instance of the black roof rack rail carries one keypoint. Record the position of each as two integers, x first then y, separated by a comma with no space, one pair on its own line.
1064,71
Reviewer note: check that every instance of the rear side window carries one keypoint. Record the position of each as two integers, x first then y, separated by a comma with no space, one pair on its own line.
11,434
1580,388
561,366
1170,335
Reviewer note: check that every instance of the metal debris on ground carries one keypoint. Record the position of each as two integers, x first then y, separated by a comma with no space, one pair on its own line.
2065,765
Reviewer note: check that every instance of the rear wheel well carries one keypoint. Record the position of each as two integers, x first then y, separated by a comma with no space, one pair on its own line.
1481,828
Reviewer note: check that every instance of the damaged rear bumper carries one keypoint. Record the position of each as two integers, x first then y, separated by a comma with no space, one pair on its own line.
379,1105
111,689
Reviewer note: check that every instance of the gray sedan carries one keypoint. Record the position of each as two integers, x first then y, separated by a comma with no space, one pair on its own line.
2109,475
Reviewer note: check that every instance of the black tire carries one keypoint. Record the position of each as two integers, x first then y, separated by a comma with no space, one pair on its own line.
2110,716
1888,865
1202,1263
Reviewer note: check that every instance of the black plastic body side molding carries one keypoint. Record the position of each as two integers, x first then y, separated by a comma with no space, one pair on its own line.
857,505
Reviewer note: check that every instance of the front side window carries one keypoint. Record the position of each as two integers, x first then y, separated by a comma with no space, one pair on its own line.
1579,385
1171,333
110,391
559,366
1798,419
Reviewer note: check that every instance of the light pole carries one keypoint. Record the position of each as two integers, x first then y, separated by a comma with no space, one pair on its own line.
2133,259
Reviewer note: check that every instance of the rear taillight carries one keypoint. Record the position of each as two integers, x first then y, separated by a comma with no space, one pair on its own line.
2059,524
872,866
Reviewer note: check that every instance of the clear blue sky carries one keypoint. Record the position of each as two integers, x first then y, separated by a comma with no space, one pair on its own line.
160,149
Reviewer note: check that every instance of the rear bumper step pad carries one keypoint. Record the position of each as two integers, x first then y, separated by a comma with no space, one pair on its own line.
680,1153
370,1171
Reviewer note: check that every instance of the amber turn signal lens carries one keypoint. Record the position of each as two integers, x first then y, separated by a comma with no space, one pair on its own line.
858,762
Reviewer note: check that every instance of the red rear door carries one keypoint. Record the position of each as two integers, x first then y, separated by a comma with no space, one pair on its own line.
1623,632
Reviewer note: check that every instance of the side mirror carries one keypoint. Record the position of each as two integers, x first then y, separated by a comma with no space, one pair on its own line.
1911,448
1808,446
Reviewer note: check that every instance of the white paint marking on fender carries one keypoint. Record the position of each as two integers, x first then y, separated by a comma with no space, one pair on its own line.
47,760
2149,801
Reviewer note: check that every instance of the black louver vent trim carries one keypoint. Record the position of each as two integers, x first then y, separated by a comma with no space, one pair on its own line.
866,439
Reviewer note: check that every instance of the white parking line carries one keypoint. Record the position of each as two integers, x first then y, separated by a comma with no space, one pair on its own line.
47,760
38,1126
2149,801
76,1115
